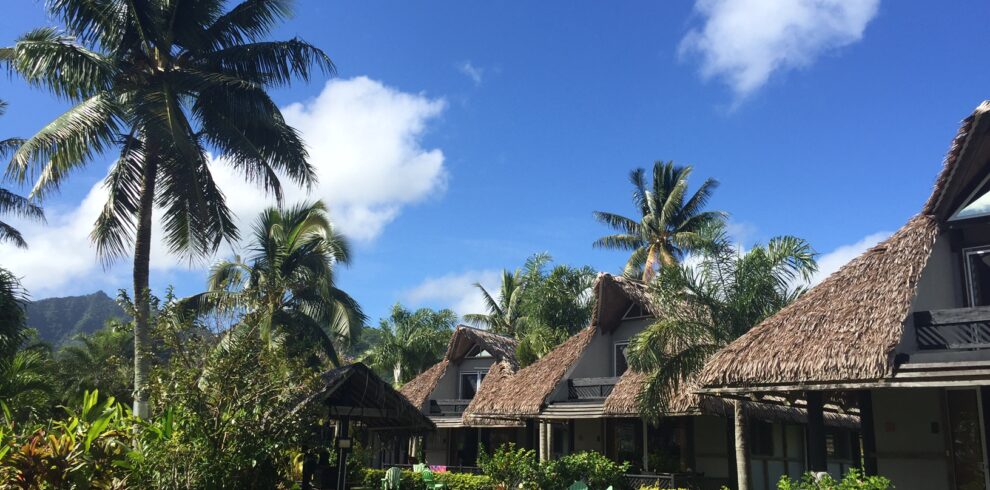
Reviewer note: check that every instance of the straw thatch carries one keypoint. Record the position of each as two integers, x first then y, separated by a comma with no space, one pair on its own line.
622,403
523,394
489,392
846,329
502,348
418,390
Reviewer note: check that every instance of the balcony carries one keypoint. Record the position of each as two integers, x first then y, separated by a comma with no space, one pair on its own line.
449,408
590,388
955,329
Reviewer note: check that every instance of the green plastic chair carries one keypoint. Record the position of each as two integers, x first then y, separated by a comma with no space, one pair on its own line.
431,484
578,485
418,468
393,477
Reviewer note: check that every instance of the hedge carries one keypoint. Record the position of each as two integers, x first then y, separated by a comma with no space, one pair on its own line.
455,481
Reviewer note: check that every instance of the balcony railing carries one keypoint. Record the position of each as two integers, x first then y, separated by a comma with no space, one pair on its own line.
453,407
590,388
955,329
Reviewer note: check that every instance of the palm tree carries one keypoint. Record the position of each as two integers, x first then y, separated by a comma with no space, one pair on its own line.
11,203
504,315
162,80
708,305
668,225
286,287
411,342
23,376
12,316
101,361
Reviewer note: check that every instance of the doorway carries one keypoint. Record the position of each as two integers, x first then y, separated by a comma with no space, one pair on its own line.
967,439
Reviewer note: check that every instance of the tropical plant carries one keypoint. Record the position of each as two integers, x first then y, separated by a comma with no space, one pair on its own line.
11,203
410,341
668,224
504,315
852,480
708,305
161,80
24,382
12,317
286,287
102,361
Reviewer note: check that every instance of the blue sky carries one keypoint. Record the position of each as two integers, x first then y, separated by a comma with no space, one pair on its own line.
461,137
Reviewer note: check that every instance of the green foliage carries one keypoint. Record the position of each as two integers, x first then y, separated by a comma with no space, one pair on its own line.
11,203
511,467
12,318
668,223
102,361
853,480
60,320
372,478
82,451
411,342
711,303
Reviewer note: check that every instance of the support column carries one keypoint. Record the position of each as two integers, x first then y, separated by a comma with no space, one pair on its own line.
543,440
549,444
343,433
866,426
742,449
646,446
816,431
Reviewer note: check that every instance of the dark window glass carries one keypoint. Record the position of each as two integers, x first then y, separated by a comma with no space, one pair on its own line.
978,276
470,383
620,359
761,438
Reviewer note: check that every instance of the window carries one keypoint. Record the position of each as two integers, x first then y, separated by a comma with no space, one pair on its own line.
977,263
979,203
470,381
761,438
477,351
620,365
635,310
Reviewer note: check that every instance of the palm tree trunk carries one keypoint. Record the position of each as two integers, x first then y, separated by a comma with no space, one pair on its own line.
397,373
742,452
142,299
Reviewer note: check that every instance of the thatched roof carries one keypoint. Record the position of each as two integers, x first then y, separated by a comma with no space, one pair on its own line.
622,403
846,329
355,391
502,348
488,393
523,394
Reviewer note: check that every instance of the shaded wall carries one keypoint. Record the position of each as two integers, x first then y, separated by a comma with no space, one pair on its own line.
911,440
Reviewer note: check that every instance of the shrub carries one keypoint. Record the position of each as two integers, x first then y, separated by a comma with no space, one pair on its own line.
511,467
853,480
591,467
454,481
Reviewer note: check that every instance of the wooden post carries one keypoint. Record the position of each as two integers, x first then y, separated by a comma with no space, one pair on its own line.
742,449
817,460
343,433
646,447
867,427
543,440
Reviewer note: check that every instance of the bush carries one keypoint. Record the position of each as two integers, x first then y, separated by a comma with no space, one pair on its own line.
591,467
454,481
853,480
511,467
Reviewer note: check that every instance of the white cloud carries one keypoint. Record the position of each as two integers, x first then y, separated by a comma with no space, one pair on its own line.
364,139
834,260
455,291
744,41
476,74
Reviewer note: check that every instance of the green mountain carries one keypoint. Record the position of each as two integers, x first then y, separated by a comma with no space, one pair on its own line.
59,319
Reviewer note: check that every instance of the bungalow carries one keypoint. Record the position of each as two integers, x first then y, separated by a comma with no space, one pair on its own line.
444,391
582,396
900,335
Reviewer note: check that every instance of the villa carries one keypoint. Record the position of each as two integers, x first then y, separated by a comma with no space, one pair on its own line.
900,335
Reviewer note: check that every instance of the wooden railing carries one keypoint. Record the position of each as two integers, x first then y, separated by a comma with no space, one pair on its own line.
590,388
959,328
455,406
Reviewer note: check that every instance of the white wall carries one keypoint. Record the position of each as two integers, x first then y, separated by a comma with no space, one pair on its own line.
911,440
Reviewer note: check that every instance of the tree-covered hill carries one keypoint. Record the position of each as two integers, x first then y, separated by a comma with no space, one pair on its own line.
59,319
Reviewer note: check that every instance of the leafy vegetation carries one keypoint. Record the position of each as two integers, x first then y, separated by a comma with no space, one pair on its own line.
668,224
411,342
853,480
11,203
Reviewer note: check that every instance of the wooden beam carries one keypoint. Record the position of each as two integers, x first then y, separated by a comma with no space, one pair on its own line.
378,413
866,422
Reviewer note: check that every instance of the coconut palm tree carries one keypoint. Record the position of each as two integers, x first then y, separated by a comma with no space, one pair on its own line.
163,81
668,223
286,286
708,305
11,203
504,315
101,361
410,342
12,315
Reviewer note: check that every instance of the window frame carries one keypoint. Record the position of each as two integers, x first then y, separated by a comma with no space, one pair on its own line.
615,357
968,273
479,374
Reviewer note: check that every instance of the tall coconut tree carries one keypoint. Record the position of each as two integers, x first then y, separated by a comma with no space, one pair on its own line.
162,82
410,341
708,305
11,203
286,287
668,223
